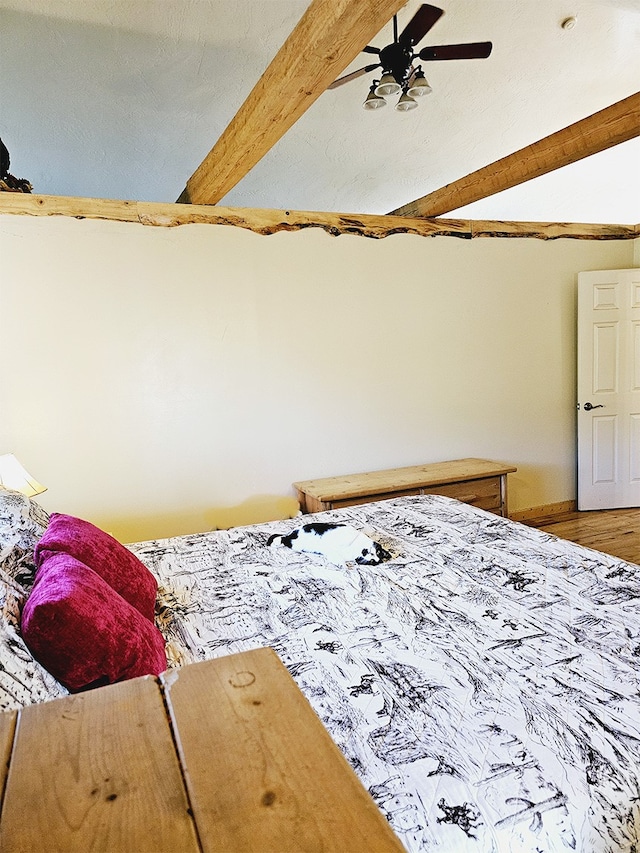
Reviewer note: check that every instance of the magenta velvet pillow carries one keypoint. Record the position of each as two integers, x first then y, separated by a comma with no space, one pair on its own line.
83,632
115,564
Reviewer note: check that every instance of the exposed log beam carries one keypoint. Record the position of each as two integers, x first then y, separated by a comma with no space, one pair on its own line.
611,126
264,221
330,34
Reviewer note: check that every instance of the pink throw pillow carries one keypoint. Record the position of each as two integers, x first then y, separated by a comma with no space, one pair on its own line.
83,632
115,564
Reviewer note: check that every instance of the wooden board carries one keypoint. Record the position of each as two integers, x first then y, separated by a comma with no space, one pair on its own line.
401,479
7,730
97,772
266,776
265,221
483,492
545,513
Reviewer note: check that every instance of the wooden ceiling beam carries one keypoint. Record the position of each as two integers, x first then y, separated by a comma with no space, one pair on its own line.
611,126
330,34
264,221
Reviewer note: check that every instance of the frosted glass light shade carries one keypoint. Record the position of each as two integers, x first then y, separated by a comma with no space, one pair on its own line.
374,102
13,476
419,87
388,85
405,103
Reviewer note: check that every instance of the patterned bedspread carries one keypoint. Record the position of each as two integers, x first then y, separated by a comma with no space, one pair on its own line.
484,683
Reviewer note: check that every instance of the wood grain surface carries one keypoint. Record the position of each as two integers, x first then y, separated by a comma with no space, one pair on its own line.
267,221
266,776
7,731
401,479
97,772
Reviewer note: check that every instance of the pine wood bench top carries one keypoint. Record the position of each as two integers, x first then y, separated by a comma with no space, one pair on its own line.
396,479
224,755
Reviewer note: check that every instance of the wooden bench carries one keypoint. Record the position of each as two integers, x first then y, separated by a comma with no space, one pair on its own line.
476,481
225,755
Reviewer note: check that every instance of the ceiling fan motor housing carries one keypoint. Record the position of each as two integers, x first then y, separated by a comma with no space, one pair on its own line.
396,58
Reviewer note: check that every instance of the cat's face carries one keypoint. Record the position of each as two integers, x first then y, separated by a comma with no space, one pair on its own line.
373,556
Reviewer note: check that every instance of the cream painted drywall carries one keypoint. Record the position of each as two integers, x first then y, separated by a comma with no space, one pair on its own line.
154,378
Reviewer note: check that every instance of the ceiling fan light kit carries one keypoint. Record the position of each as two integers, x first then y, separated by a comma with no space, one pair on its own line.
399,74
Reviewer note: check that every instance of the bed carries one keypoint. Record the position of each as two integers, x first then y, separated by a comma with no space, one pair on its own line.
483,683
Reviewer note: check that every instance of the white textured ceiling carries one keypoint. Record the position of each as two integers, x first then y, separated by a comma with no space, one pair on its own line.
124,98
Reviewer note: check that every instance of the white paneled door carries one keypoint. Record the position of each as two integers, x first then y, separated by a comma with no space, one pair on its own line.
609,389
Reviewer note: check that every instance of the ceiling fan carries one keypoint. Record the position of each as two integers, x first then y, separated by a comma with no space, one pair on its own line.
397,60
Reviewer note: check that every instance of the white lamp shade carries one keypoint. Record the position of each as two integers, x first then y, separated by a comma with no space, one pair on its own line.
13,476
406,103
388,85
374,102
419,87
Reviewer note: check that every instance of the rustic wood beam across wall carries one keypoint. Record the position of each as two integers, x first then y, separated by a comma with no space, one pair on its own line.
328,37
264,221
611,126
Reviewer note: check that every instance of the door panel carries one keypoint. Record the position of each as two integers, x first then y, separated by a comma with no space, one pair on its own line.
605,454
605,358
634,465
609,383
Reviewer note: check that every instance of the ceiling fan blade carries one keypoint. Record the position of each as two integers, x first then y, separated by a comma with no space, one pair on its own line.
420,24
475,50
370,49
347,77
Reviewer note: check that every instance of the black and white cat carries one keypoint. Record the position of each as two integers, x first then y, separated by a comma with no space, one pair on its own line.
339,543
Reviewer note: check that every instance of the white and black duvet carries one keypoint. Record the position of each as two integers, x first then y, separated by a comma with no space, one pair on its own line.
484,683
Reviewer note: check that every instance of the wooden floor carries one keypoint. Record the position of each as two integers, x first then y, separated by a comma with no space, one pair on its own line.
614,531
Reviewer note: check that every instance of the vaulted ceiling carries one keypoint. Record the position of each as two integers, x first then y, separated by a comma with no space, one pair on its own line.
118,99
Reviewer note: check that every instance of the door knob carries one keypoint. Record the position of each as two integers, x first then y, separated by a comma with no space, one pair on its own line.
589,406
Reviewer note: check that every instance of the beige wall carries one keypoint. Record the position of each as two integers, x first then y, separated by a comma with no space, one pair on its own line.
156,378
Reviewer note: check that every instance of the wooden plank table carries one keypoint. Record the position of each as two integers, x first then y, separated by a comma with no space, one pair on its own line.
224,755
480,482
